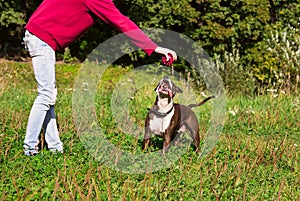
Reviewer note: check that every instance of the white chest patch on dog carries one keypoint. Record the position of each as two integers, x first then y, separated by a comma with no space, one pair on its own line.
158,125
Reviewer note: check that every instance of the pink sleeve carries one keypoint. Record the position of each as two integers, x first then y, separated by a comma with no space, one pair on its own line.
107,11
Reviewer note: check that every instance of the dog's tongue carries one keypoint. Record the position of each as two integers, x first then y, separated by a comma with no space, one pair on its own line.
170,93
166,91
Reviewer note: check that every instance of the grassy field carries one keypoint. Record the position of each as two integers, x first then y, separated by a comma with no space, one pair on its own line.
257,156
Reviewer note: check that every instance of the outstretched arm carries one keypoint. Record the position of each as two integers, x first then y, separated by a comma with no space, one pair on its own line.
107,12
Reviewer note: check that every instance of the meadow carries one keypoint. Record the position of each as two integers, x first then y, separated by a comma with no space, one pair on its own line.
256,157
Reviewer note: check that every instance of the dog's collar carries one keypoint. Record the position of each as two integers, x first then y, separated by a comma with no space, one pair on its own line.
160,114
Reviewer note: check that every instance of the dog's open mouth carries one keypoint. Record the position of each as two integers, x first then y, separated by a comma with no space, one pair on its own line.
164,90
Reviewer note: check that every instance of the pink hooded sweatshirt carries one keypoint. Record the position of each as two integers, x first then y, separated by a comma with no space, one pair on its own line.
60,22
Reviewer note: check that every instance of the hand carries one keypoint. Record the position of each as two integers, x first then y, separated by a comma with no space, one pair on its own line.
165,51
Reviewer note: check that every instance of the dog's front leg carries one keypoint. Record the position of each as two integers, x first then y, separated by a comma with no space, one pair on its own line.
147,138
167,142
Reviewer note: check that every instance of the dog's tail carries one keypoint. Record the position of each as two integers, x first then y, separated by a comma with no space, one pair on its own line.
201,103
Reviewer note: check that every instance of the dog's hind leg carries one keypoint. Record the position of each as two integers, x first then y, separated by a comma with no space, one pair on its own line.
194,134
197,140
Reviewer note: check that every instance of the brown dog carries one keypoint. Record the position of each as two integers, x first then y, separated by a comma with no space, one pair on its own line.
168,119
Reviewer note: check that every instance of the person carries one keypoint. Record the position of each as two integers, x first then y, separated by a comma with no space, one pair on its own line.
54,25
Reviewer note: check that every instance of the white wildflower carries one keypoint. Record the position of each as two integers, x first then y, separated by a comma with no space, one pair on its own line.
250,110
296,103
272,90
233,111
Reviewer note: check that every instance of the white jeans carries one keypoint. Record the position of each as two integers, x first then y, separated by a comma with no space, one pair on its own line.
42,113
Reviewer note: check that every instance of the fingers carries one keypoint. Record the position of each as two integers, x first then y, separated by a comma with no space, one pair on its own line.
166,51
174,55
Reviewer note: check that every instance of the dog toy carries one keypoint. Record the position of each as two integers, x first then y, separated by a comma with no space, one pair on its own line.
169,62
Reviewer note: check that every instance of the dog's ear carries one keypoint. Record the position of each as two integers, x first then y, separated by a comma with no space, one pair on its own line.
176,88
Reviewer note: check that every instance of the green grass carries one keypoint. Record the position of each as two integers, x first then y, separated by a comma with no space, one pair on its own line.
256,158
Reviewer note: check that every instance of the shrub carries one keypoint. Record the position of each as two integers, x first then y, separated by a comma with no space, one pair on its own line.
236,78
276,59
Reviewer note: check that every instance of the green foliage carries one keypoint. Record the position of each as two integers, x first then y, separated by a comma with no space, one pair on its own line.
9,17
224,24
276,59
235,77
174,15
11,13
67,57
12,19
